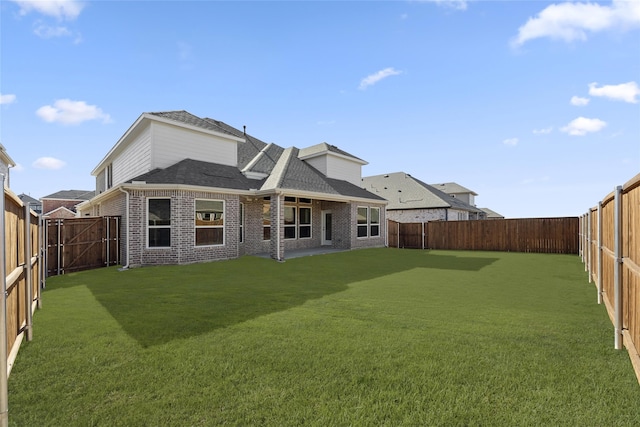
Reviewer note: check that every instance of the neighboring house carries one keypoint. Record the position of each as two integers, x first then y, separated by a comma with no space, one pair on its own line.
411,200
193,189
34,204
6,162
67,199
458,191
492,214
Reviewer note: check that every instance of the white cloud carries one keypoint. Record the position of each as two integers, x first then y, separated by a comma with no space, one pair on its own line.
453,4
582,126
572,21
544,131
48,32
61,9
50,163
510,141
8,98
578,101
376,77
626,92
70,112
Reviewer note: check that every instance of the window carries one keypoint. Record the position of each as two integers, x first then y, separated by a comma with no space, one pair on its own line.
374,222
289,222
304,227
209,219
266,220
241,237
362,221
109,175
368,222
159,223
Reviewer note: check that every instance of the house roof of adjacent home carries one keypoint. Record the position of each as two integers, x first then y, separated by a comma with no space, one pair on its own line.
491,213
28,199
406,192
453,188
324,148
276,167
79,195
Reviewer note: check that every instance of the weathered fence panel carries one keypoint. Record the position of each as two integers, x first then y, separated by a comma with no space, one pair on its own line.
75,244
615,245
542,235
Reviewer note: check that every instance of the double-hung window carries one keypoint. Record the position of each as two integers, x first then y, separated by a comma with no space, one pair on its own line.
290,222
209,222
159,223
374,222
363,221
368,219
266,219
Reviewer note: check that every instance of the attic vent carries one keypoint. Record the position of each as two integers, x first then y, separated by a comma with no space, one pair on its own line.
386,176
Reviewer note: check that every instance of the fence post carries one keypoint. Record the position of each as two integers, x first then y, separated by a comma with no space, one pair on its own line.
4,388
617,268
28,273
599,260
42,262
589,243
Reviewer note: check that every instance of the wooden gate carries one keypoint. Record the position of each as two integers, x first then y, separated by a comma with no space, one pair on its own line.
75,244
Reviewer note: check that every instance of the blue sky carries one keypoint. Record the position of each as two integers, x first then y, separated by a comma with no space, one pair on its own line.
534,105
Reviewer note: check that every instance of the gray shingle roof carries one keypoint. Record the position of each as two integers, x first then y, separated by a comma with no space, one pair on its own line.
71,195
284,168
323,147
453,188
199,173
406,192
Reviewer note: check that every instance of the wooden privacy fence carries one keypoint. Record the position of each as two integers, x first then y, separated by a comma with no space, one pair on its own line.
75,244
23,278
610,250
541,235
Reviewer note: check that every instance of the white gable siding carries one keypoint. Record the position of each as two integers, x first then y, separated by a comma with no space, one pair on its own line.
319,163
344,169
338,168
134,160
172,144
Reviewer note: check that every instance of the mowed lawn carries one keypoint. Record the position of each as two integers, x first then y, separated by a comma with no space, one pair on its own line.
363,338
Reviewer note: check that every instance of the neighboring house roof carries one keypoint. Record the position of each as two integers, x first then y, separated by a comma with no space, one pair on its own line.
28,199
406,192
491,214
453,188
79,195
61,212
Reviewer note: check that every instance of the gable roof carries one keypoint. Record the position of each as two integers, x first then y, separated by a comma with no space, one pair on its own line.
261,166
79,195
453,188
491,213
28,199
324,148
406,192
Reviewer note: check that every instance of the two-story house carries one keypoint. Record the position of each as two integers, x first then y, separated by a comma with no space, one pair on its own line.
193,189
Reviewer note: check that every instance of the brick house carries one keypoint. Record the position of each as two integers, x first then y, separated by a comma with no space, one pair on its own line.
193,189
412,200
62,204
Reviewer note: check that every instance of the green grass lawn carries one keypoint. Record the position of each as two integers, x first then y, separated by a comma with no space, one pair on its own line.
370,337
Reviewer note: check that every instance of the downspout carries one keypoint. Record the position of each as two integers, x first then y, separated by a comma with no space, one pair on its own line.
126,266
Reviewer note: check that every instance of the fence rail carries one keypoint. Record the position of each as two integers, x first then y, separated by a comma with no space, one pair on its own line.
610,250
541,235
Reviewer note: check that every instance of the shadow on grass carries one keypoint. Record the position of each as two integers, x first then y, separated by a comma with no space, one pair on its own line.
156,305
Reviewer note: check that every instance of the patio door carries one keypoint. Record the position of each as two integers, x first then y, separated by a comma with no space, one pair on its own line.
327,228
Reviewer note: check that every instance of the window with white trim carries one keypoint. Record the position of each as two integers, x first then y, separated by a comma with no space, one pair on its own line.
209,222
363,221
241,221
266,219
304,223
158,223
374,222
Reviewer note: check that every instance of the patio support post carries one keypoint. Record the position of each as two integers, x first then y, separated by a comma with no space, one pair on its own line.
4,389
599,260
617,268
28,276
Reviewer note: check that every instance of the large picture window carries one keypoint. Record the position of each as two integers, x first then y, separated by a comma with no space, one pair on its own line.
159,223
368,221
209,221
